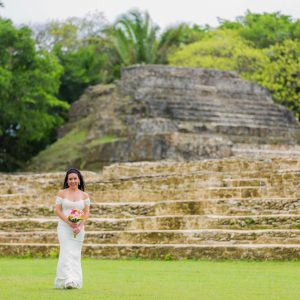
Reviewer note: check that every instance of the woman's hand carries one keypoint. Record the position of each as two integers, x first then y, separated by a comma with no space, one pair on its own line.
77,229
72,225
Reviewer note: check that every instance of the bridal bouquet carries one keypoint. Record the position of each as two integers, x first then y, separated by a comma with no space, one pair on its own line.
76,216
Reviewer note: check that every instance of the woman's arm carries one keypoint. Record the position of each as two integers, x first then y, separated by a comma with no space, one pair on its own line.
86,211
60,214
59,211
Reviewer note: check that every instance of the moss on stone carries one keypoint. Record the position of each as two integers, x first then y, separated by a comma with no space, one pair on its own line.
62,153
103,140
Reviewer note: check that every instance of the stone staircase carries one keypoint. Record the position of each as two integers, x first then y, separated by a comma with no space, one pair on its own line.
212,102
232,208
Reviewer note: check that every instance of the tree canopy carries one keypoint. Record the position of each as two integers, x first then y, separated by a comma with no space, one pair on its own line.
29,108
135,37
176,36
265,29
86,54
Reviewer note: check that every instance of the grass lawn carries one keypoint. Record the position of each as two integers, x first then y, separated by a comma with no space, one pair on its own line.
32,279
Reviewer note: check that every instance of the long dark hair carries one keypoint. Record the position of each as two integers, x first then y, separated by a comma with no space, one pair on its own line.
81,181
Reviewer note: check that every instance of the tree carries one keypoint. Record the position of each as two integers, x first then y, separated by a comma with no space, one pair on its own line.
135,38
83,67
86,53
281,74
174,37
223,50
264,30
29,109
72,33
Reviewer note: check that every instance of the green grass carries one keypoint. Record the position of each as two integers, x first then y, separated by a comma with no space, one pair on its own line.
141,279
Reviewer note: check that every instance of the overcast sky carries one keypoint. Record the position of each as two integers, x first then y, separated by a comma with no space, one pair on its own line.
163,12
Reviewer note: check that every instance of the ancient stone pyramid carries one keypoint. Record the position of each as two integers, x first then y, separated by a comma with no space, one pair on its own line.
230,208
191,114
178,114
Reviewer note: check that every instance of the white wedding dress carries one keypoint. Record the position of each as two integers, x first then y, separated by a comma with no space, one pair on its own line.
69,273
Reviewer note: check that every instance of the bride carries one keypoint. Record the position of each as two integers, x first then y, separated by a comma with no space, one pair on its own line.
70,235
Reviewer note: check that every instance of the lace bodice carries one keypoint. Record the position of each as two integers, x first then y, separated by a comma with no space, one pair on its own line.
68,204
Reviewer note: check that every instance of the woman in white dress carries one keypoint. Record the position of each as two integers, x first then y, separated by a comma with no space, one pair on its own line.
69,273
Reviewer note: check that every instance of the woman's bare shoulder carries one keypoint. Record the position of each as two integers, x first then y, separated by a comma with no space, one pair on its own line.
61,193
85,195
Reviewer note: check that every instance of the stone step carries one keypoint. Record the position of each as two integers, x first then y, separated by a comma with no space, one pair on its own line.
188,89
163,222
41,224
261,131
114,210
168,251
275,135
26,210
27,198
205,93
266,151
195,180
263,138
182,181
16,197
159,189
201,103
199,237
227,166
155,74
29,187
234,206
229,119
282,221
234,88
214,103
215,107
229,207
160,194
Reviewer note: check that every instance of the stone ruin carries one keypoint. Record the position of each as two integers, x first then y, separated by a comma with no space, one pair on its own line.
199,113
245,205
178,114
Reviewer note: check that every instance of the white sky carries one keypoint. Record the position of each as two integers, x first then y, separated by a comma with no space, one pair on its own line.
163,12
